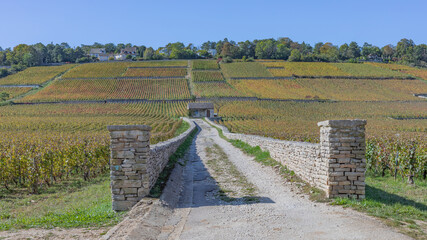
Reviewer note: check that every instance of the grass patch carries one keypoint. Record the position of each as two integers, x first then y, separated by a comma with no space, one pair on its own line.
182,128
70,204
233,184
157,189
398,203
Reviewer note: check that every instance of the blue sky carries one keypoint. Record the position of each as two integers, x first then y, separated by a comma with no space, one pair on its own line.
156,23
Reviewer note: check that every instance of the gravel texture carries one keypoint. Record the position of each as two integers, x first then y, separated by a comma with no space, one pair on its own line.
281,213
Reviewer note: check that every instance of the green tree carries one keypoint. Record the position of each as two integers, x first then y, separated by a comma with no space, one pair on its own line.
295,56
119,47
329,52
282,52
354,50
226,50
247,48
140,51
204,53
265,49
110,47
344,52
317,47
42,53
369,51
387,52
420,53
148,53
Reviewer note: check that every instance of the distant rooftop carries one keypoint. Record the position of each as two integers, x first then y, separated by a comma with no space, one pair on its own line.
97,50
200,106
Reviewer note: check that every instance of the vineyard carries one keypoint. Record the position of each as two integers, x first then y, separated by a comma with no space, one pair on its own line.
44,144
276,89
363,89
155,72
366,70
206,76
35,75
303,69
102,89
14,91
205,65
395,67
244,70
97,70
115,69
394,146
158,64
49,144
215,89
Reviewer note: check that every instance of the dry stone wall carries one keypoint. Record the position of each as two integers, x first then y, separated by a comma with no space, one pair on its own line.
336,165
135,165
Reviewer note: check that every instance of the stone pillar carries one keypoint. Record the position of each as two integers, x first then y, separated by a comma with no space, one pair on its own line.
342,145
130,150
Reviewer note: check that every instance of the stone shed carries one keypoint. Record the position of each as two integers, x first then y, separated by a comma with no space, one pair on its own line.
199,110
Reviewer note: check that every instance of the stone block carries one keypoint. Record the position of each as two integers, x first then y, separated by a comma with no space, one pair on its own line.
359,183
115,191
346,191
341,169
362,192
354,174
130,190
117,183
344,183
123,205
352,178
131,184
340,179
114,161
118,197
139,167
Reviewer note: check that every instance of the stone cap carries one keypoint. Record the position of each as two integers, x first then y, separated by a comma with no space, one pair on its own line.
342,123
128,127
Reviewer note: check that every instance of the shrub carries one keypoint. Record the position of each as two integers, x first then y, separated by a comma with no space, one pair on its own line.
227,60
3,72
82,60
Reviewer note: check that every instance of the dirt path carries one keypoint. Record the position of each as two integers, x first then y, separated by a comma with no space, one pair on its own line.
279,213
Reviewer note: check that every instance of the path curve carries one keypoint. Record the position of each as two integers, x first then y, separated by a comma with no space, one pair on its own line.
280,214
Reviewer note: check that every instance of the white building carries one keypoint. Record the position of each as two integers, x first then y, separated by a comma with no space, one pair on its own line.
95,52
125,52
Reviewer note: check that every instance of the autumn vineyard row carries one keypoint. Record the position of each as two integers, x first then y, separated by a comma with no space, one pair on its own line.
43,146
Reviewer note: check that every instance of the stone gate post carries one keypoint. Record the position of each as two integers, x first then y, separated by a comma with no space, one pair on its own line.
342,147
130,150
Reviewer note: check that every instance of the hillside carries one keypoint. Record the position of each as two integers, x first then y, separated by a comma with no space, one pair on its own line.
167,80
54,119
324,90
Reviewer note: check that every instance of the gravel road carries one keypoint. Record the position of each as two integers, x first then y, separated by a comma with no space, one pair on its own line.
280,213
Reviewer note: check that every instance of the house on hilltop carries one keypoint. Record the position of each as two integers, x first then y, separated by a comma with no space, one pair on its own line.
95,52
102,55
125,52
199,110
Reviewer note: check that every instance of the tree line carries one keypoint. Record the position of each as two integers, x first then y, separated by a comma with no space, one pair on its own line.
405,52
